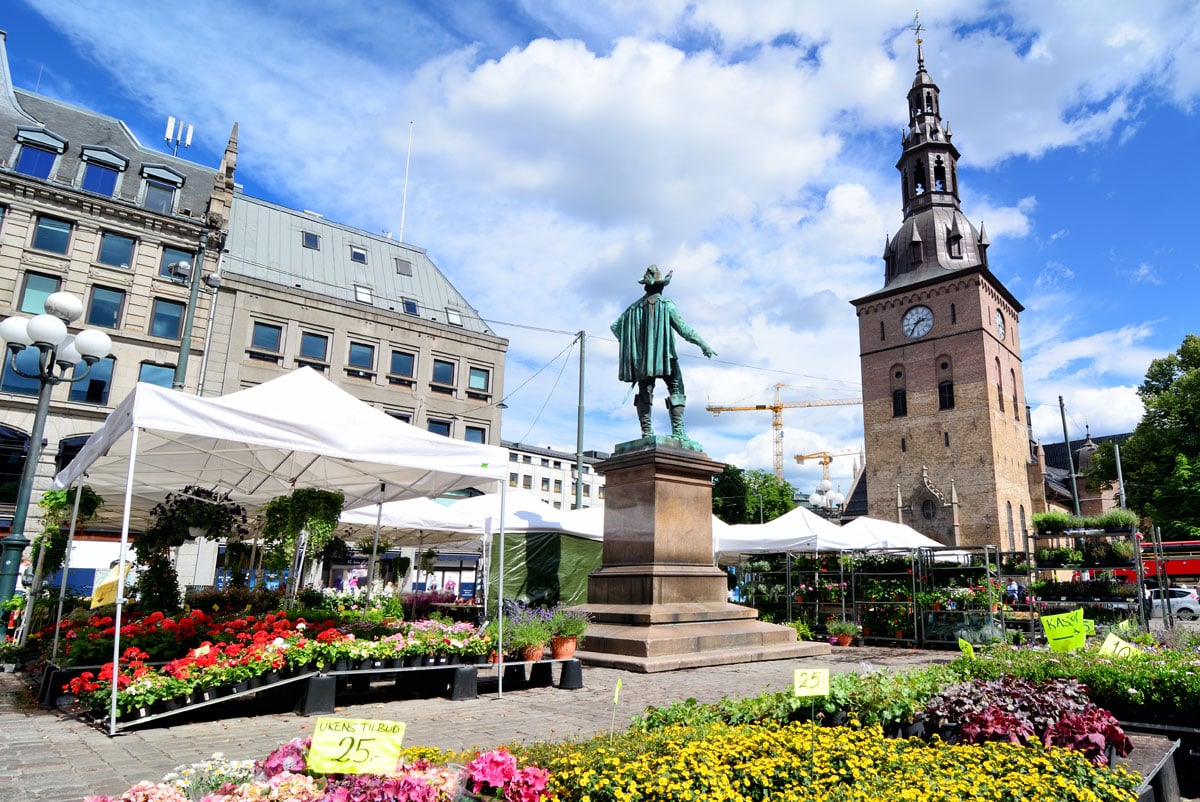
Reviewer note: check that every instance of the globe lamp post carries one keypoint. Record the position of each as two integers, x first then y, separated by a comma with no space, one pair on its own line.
59,353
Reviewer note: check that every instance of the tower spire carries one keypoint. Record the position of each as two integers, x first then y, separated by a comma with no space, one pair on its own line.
916,28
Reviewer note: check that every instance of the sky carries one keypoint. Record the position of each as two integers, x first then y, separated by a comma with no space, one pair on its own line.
559,148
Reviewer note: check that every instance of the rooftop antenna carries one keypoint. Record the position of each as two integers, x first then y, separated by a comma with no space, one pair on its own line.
176,134
404,195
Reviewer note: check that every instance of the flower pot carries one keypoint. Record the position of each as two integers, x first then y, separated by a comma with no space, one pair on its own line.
411,660
341,665
563,647
531,654
833,639
844,640
396,662
495,657
169,705
240,687
254,682
270,677
136,713
484,659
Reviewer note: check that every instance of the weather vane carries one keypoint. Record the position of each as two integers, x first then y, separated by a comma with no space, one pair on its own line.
917,27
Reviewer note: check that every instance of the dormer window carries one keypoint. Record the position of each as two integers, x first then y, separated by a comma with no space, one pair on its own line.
916,252
39,152
101,170
160,187
954,246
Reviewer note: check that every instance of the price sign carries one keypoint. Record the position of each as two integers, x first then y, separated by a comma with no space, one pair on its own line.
355,746
1064,632
1115,646
1089,626
966,648
811,682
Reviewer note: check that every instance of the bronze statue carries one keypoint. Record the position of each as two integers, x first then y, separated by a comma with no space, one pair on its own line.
646,333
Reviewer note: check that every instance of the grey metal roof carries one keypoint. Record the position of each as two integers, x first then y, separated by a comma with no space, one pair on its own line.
82,128
266,242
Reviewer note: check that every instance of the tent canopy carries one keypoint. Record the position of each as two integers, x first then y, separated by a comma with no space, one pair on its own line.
798,530
299,430
889,534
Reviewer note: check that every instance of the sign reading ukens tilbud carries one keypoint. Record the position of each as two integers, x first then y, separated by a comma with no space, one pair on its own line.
1064,632
355,746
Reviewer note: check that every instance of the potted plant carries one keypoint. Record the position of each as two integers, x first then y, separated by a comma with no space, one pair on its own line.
842,629
567,626
526,630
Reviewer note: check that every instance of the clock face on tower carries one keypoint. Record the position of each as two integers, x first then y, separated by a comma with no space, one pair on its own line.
917,321
999,324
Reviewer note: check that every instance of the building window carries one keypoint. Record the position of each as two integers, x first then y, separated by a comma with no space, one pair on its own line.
363,294
882,334
558,464
903,445
52,235
358,255
410,307
443,372
545,484
402,366
953,314
1012,534
403,267
954,243
512,480
159,198
899,393
94,389
169,266
314,346
475,434
401,416
105,307
310,240
158,375
453,317
265,342
946,439
37,288
558,485
441,427
68,450
116,250
361,357
513,456
945,395
35,162
928,509
526,459
527,482
166,318
999,385
479,380
28,360
1016,407
545,462
100,178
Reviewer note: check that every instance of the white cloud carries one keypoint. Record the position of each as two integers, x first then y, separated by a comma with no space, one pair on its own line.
1145,273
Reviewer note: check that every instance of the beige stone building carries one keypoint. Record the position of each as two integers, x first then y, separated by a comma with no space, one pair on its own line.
945,420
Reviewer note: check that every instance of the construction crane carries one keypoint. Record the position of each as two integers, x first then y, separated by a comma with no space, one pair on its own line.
826,457
777,418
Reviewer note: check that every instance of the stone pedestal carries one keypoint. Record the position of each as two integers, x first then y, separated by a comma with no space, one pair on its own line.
658,602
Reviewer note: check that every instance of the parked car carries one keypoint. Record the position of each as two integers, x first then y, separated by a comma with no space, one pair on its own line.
1183,602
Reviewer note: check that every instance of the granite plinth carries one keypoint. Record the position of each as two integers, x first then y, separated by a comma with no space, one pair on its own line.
658,602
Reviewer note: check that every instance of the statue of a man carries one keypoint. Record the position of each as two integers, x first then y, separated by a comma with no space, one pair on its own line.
646,333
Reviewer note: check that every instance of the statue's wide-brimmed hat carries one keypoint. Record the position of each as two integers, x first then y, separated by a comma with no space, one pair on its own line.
654,276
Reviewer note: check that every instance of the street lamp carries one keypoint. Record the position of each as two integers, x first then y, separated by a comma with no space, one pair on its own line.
826,499
56,348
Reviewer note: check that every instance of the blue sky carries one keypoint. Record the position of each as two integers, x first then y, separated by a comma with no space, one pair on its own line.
559,148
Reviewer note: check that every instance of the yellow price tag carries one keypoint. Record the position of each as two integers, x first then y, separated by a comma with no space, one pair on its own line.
966,647
1064,632
811,682
355,746
1089,626
1115,646
617,692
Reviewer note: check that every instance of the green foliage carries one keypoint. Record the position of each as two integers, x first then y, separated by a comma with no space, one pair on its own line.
311,509
1159,460
743,497
1051,522
803,630
56,512
194,509
157,584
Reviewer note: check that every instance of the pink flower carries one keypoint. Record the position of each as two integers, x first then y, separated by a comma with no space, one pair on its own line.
527,785
493,768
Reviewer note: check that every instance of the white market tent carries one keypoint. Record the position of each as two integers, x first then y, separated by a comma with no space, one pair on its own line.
298,430
880,534
798,530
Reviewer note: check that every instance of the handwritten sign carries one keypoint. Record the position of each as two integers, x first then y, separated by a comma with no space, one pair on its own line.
617,692
966,648
1089,626
355,746
1064,632
811,682
1116,647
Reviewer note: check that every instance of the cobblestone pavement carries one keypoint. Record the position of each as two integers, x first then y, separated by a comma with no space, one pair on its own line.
49,756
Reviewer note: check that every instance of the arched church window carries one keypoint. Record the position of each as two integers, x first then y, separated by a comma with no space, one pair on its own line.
928,509
919,178
953,314
899,392
999,385
939,175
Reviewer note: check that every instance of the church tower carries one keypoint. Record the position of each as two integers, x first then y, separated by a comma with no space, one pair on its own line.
943,399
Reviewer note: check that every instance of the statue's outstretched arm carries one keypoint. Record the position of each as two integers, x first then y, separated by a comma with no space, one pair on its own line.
688,333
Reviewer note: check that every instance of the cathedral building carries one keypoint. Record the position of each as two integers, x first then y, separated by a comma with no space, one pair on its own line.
944,413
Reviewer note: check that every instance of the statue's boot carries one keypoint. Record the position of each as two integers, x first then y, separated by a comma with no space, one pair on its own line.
643,412
677,423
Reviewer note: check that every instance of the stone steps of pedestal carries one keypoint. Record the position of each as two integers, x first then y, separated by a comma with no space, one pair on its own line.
686,638
713,657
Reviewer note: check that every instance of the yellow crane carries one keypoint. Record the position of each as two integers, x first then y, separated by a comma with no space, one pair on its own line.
825,457
777,418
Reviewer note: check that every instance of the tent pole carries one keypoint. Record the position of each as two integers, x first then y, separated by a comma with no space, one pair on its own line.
62,585
375,545
500,596
116,661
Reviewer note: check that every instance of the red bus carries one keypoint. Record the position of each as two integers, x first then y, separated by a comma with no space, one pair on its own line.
1181,560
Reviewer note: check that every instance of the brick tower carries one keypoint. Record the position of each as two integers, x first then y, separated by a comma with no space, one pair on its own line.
943,399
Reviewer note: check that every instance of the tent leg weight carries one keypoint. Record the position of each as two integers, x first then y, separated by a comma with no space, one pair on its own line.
514,676
465,685
318,698
571,678
540,676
